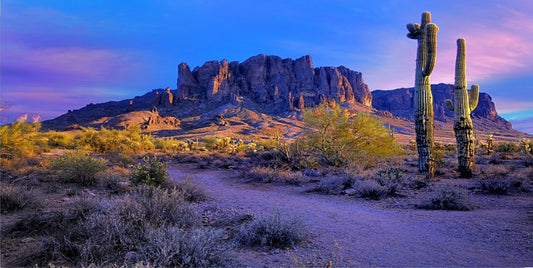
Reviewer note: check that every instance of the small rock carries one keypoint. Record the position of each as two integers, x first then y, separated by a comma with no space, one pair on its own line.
275,251
350,191
28,240
131,257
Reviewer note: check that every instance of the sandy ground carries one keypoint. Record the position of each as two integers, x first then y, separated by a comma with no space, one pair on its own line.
357,232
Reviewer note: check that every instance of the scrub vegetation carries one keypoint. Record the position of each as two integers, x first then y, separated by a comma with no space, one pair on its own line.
104,197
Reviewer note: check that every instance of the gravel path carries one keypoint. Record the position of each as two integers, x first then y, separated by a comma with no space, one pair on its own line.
351,233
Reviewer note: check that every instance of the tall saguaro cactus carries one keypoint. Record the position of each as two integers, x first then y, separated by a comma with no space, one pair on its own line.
464,105
426,34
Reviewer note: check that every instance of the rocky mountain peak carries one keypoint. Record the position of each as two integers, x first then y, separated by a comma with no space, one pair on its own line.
287,84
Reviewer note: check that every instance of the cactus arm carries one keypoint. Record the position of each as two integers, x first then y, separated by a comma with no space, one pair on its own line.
414,30
474,97
449,104
431,39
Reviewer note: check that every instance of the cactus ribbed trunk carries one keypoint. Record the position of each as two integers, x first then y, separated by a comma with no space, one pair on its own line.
463,126
426,34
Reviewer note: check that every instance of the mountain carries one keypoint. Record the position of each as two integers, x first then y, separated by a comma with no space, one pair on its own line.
272,84
399,102
263,96
264,84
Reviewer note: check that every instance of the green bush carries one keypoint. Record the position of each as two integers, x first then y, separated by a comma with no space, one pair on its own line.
507,147
59,139
17,139
152,172
336,139
79,168
276,230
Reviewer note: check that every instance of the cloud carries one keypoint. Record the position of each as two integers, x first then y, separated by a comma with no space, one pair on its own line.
62,67
511,106
498,42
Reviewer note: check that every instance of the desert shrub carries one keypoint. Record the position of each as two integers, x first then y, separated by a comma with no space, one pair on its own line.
167,145
127,141
389,175
79,168
158,206
492,171
507,147
192,192
439,156
528,161
335,139
416,182
277,230
59,139
14,197
372,189
526,146
17,139
269,175
498,186
151,172
115,179
121,159
175,247
103,232
446,198
333,186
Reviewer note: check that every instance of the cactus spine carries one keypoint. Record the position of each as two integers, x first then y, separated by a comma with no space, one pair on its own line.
464,105
426,34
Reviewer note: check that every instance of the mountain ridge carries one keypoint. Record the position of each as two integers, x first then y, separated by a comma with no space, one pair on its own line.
213,97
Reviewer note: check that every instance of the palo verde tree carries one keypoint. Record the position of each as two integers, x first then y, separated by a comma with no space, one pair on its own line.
337,139
426,34
464,105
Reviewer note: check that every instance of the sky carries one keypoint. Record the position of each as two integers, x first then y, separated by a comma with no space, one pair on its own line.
58,55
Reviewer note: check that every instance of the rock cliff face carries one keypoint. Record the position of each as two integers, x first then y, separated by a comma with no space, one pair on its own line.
284,83
399,102
235,95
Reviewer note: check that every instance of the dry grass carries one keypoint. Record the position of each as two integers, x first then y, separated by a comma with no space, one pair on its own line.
271,175
447,198
274,231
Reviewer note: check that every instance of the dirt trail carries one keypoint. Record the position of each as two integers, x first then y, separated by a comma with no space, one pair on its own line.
353,233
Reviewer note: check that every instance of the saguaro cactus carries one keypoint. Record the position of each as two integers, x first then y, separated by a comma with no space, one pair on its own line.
464,105
426,34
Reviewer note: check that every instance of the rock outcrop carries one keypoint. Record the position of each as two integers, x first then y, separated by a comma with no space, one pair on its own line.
286,83
399,102
232,94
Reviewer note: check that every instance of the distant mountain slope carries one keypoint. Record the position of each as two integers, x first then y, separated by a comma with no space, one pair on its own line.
399,102
264,96
264,84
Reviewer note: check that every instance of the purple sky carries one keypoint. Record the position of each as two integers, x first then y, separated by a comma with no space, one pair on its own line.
59,55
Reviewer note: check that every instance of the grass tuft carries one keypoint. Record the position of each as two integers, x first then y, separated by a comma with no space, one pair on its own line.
276,231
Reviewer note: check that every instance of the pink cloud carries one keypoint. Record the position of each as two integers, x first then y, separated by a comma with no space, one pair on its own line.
507,106
498,42
62,66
